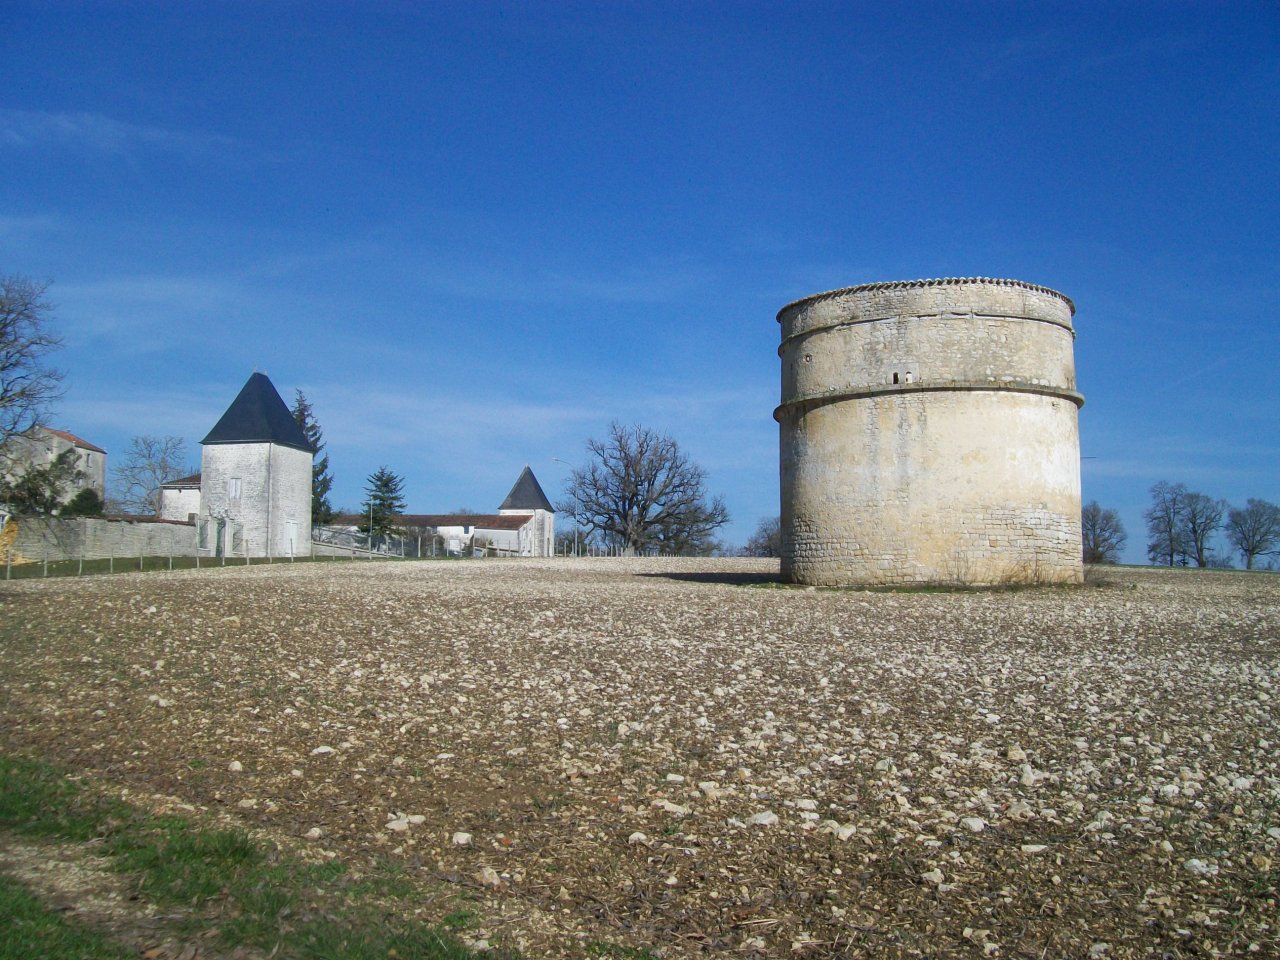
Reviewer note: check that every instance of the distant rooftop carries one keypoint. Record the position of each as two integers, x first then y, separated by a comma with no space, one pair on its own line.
481,521
191,481
258,415
72,438
527,495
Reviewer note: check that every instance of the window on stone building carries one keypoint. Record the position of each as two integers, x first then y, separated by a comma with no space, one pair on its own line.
233,488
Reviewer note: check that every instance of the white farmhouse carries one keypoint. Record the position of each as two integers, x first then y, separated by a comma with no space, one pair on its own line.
255,479
40,446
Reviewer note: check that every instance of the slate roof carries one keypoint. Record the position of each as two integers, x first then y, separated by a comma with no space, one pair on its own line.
258,415
72,438
527,495
486,521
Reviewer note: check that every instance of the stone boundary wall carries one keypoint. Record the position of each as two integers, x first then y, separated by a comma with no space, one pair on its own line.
93,538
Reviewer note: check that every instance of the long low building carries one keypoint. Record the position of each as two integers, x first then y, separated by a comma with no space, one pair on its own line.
524,525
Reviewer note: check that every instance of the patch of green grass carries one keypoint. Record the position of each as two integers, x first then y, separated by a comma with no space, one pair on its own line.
38,801
179,864
458,919
33,930
262,899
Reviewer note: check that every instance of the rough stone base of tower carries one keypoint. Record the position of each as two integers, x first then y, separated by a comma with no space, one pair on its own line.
968,488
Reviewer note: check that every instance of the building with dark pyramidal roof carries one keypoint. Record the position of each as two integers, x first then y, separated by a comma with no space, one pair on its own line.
255,479
258,415
527,495
538,536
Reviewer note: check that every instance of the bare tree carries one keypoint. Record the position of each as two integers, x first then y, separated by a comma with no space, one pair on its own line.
639,490
767,539
28,386
1164,523
1255,530
1201,517
1102,534
148,463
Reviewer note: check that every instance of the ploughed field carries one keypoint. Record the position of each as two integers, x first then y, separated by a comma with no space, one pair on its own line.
679,757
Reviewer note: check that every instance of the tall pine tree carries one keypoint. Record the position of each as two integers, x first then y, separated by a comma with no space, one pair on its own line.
383,502
321,479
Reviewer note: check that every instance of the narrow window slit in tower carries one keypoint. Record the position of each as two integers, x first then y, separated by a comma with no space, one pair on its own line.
895,378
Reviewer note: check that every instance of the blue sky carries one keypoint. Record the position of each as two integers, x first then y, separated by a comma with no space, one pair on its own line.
473,233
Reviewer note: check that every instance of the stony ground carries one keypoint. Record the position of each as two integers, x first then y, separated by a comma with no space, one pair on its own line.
680,757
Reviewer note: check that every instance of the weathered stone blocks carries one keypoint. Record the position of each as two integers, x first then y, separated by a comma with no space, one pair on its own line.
929,434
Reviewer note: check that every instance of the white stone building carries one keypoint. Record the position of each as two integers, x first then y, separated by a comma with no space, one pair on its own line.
255,479
537,537
42,445
180,499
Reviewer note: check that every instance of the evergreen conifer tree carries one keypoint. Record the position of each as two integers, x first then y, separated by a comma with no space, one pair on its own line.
384,501
321,479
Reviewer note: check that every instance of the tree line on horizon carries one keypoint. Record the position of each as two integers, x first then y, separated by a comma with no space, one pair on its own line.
1182,525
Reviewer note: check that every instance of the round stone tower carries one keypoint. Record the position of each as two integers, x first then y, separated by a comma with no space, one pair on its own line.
929,434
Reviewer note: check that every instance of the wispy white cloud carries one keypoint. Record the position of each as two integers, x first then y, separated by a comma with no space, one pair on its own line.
111,420
25,129
145,313
456,447
13,228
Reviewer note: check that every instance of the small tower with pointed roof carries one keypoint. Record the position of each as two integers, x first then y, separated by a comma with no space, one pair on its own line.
527,499
255,479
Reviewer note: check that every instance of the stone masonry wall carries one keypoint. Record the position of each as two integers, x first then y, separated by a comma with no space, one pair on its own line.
55,538
964,470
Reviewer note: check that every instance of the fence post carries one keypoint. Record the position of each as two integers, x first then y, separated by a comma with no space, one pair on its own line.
80,566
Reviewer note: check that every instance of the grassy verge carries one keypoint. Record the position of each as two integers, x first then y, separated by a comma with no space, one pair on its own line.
239,890
33,930
86,568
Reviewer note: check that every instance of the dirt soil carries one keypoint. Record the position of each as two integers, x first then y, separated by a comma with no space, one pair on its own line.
677,756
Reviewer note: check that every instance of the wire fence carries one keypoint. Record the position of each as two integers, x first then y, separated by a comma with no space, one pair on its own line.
49,554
